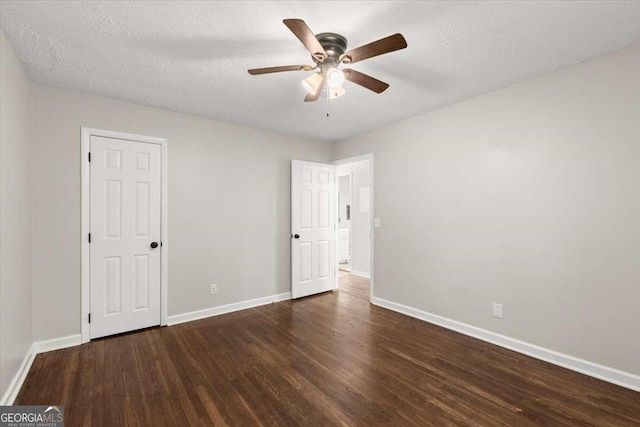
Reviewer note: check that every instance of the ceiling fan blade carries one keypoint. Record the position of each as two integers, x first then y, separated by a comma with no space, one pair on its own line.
365,80
306,36
314,96
379,47
268,70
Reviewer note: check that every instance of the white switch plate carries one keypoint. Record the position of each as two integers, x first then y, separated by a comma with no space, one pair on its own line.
497,310
376,222
214,289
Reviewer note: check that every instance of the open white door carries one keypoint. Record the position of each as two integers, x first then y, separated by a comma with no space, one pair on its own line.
125,248
312,228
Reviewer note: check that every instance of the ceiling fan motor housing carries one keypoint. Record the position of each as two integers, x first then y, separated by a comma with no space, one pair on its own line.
334,44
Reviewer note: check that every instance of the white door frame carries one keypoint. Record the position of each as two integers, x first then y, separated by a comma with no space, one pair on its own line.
337,163
85,193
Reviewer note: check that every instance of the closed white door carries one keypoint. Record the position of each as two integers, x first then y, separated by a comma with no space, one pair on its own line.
312,228
125,224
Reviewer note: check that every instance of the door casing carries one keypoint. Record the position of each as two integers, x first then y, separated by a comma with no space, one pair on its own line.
85,194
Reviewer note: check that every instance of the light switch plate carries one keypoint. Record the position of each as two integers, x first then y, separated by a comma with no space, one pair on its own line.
376,222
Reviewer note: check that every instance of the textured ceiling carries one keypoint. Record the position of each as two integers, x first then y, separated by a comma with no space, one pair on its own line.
192,57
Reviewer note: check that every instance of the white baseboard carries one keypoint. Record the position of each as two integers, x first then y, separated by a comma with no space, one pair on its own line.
228,308
35,349
57,343
360,274
605,373
17,381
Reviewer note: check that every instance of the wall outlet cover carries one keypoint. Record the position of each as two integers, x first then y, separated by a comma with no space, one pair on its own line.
497,310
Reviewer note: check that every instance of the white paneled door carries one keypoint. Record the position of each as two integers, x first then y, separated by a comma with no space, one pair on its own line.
312,228
125,225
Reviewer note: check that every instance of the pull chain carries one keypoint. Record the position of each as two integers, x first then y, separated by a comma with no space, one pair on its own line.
328,92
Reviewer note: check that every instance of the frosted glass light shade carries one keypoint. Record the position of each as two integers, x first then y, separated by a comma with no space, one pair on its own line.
335,78
312,82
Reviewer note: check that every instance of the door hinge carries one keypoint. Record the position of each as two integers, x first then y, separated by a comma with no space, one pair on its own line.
89,157
89,317
89,237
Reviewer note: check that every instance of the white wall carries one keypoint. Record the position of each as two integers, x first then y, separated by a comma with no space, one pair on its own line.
229,209
528,196
15,215
360,221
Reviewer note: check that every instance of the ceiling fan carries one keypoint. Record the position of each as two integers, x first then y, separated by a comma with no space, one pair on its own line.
329,51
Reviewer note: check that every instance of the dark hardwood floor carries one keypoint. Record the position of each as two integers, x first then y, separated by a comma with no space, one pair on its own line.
330,359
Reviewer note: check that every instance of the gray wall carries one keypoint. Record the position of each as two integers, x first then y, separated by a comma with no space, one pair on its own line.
15,215
229,214
527,196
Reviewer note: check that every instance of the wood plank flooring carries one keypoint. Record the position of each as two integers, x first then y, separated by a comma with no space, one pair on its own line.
330,359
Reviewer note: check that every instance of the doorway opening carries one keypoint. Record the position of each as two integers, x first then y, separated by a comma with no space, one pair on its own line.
331,235
354,227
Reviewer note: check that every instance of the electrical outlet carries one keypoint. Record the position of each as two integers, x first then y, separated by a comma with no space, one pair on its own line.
214,289
497,310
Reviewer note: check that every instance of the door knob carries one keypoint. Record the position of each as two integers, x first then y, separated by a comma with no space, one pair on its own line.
296,236
154,245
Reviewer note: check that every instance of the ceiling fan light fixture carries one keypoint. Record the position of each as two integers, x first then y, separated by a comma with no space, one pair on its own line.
312,82
335,78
